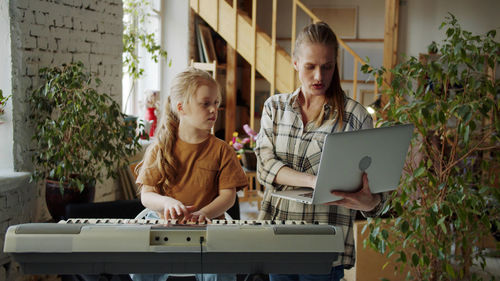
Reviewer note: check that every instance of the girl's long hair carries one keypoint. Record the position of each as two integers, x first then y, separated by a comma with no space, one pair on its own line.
183,89
321,33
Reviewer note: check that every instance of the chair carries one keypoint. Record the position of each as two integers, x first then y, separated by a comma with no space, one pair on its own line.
206,66
254,191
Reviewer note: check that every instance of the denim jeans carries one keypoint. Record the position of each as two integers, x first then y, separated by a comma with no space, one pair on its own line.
199,277
335,275
164,276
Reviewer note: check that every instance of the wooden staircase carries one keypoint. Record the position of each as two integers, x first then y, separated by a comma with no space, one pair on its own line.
257,47
222,18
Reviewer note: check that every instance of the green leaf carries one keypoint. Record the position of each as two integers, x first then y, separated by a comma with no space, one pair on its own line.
427,260
466,134
405,227
415,259
420,171
441,224
385,233
402,256
450,270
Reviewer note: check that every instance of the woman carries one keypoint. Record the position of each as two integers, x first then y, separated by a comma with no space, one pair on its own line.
293,128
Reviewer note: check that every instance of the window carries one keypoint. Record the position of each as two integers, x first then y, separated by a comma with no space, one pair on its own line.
134,94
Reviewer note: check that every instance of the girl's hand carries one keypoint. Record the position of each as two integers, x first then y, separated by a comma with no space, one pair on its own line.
362,200
172,208
198,216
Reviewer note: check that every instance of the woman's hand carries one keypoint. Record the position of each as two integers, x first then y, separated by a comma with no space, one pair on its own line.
172,208
362,200
289,176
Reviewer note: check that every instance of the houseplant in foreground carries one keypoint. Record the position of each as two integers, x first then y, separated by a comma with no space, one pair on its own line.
80,135
448,199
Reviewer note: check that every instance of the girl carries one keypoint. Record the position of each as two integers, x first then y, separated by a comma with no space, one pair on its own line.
293,127
187,173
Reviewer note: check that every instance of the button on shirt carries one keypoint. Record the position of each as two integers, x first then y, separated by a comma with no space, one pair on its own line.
285,141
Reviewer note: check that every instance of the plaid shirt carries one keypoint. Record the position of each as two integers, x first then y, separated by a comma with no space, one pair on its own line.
285,141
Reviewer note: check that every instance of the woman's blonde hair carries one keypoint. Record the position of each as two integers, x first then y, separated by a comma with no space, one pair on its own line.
183,89
321,33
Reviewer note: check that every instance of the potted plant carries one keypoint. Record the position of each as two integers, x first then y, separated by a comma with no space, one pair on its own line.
80,136
432,48
245,148
447,202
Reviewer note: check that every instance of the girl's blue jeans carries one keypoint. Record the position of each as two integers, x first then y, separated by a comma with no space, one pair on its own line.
335,275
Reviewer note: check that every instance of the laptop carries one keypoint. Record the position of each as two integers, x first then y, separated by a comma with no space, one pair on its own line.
380,152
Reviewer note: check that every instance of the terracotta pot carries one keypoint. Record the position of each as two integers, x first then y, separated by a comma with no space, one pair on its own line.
249,160
56,202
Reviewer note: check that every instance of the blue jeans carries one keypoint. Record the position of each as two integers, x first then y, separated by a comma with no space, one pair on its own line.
162,277
335,275
199,277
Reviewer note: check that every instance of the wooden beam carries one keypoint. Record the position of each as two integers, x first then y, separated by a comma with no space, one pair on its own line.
195,4
235,11
307,11
390,38
231,69
355,80
218,17
253,64
273,49
363,40
359,81
245,92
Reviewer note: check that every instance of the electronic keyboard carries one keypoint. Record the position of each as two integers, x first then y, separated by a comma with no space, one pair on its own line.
118,246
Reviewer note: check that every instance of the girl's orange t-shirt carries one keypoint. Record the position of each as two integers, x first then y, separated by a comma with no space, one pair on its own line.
203,169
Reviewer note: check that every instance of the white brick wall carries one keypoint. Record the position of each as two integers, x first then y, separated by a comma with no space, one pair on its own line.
47,33
15,191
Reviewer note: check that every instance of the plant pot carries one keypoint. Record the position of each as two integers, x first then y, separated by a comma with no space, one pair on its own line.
56,202
249,160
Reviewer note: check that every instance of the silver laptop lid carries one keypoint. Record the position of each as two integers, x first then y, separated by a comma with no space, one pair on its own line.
381,152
